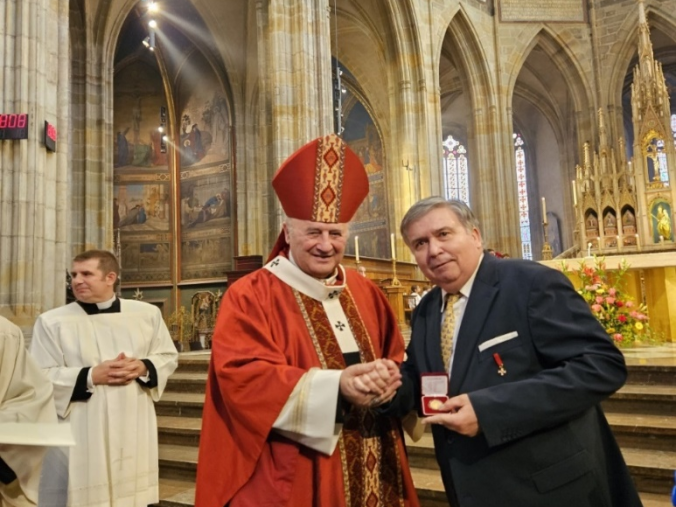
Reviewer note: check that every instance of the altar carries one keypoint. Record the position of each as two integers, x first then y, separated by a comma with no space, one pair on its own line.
651,280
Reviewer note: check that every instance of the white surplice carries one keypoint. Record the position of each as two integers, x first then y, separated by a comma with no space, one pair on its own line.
115,460
25,397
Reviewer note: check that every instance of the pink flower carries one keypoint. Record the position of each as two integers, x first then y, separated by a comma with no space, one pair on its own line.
612,292
599,300
596,308
633,314
610,301
642,317
617,337
629,304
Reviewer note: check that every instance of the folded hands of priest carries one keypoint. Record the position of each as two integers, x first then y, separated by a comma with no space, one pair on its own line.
119,371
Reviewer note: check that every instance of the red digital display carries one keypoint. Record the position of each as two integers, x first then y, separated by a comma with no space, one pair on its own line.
14,126
50,136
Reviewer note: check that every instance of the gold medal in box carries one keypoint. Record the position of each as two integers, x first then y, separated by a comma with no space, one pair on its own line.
434,389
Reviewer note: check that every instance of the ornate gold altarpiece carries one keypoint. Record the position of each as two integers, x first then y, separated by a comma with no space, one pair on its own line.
627,205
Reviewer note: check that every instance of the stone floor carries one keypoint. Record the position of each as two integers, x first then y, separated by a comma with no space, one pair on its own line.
642,415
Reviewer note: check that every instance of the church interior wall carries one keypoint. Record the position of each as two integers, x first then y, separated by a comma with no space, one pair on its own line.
421,69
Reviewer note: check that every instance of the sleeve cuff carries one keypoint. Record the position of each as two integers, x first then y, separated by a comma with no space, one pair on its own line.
80,391
150,380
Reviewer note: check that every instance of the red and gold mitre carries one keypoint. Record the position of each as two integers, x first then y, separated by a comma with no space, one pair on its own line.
324,181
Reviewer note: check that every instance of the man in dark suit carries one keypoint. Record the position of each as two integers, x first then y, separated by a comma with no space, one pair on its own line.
528,367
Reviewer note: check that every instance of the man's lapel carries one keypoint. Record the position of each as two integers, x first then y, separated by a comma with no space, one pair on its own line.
479,305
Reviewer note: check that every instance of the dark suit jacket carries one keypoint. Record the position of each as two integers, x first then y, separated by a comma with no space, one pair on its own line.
544,440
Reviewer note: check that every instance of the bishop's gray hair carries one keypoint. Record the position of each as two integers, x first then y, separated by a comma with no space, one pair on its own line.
423,207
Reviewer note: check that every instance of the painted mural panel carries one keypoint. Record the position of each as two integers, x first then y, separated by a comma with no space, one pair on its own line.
206,222
371,221
142,181
206,204
139,95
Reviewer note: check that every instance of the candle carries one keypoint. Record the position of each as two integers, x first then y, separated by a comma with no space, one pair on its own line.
356,248
619,243
589,245
392,246
598,242
544,211
661,239
574,193
638,243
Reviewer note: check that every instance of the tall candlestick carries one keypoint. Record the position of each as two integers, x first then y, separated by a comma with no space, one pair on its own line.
392,246
589,245
356,248
619,243
638,242
574,193
544,211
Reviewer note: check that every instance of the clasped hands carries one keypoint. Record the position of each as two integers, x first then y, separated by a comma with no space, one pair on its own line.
119,371
370,384
375,383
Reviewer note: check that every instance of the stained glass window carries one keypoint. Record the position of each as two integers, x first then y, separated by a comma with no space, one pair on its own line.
673,127
522,186
662,158
456,182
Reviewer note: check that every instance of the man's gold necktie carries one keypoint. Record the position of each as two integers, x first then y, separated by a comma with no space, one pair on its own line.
447,329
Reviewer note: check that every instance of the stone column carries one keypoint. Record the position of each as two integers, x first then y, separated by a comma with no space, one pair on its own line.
34,193
91,183
299,73
297,79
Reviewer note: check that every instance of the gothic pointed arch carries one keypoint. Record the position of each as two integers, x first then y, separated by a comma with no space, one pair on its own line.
566,63
549,93
462,36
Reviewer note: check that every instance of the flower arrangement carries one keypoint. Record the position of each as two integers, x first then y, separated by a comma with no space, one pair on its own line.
625,321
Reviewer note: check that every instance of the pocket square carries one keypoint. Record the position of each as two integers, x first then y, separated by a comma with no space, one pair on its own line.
498,339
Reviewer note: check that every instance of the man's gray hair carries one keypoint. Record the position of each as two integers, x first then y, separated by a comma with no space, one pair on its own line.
423,207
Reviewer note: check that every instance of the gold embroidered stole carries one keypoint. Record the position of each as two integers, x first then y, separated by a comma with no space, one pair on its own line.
372,473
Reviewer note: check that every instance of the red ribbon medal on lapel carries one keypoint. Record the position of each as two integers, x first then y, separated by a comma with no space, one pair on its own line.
501,365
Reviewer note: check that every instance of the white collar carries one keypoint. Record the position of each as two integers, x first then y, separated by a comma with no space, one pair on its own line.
106,304
293,276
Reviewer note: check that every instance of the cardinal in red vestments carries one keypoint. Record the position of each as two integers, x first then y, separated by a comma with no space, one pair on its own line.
303,350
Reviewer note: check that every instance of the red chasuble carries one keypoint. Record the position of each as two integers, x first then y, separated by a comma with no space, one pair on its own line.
267,336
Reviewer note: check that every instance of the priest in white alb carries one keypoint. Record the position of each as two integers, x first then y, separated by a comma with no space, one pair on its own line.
109,360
